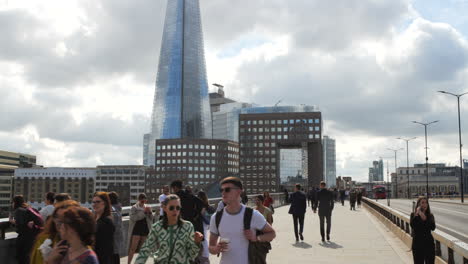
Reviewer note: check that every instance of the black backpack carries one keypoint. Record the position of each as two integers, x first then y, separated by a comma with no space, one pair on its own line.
247,218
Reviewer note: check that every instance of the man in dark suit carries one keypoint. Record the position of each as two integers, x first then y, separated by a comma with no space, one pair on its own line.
298,208
325,203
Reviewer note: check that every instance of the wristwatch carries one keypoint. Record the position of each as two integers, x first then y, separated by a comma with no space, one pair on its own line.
258,239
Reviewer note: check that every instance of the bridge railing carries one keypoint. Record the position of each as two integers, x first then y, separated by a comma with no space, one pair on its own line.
8,234
449,249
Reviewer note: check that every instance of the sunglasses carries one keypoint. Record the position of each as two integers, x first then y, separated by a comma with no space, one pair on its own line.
172,208
227,189
96,202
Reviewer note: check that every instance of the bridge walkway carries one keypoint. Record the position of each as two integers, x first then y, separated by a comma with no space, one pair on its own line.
356,237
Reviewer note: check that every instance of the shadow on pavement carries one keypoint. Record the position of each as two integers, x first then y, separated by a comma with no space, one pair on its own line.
302,245
330,244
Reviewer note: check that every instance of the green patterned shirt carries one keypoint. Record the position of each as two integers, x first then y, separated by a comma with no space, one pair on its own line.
160,241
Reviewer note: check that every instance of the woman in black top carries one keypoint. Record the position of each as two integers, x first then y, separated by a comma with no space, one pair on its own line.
27,227
105,229
422,222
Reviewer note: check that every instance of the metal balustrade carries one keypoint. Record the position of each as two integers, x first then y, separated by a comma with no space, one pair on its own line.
448,249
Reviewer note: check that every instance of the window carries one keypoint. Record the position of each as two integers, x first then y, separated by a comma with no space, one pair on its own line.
317,128
317,121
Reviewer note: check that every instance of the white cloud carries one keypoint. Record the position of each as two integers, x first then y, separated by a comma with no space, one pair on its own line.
77,77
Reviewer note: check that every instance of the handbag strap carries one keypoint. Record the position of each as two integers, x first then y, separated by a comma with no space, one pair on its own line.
173,245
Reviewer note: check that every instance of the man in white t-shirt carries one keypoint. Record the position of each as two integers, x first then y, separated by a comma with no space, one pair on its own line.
231,226
48,210
162,197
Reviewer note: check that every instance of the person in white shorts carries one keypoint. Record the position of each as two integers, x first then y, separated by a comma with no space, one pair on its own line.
229,237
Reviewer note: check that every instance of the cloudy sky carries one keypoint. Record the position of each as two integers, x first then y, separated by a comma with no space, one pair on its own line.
77,77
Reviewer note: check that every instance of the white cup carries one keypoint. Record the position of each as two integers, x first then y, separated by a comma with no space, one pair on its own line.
225,241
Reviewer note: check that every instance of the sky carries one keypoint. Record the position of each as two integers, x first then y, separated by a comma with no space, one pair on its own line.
77,77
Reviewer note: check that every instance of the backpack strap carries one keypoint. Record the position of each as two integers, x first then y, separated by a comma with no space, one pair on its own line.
218,217
247,217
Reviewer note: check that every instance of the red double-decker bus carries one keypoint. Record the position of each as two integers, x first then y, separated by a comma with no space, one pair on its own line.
380,192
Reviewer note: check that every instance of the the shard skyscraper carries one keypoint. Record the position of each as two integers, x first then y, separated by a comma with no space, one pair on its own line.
181,102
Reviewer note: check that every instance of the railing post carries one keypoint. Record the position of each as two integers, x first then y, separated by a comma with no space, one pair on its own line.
451,260
438,251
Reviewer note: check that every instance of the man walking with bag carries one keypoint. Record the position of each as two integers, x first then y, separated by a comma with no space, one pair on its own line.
235,228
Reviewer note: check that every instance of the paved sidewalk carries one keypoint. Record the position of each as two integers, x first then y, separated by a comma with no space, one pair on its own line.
357,237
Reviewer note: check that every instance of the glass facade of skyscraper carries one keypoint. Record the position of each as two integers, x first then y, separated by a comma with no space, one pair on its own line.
181,103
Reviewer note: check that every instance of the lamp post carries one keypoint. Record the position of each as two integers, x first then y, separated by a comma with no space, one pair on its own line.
459,140
396,171
407,162
427,159
388,184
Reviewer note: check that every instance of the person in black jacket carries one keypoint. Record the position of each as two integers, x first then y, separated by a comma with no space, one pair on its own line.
423,223
191,205
298,209
342,196
325,203
104,238
311,196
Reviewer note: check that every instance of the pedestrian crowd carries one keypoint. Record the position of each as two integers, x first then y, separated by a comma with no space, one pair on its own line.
185,230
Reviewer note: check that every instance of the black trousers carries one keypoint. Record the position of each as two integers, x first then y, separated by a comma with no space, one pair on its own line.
322,217
298,219
423,256
342,201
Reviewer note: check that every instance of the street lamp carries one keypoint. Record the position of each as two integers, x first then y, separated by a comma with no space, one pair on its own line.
427,166
407,161
396,171
459,140
388,184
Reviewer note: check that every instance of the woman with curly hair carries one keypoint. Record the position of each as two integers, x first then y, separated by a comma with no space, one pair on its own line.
76,228
50,236
171,239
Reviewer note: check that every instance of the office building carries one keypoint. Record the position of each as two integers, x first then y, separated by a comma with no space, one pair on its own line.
376,171
146,142
18,160
218,98
9,161
442,180
127,180
181,106
34,183
226,121
265,131
197,162
329,161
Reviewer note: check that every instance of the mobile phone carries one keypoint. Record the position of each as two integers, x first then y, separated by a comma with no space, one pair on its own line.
63,243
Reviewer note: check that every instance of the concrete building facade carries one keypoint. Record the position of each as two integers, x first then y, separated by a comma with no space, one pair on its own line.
34,183
197,162
264,131
127,180
329,161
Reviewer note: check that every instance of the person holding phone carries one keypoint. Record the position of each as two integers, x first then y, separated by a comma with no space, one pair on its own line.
423,223
76,227
171,239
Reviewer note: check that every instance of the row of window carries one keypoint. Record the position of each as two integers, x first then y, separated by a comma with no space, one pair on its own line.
184,161
260,145
280,121
124,171
279,136
278,129
192,146
259,167
184,154
52,174
111,178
